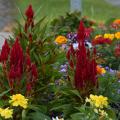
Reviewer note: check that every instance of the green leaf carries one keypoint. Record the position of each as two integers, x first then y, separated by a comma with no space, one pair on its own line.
24,112
5,92
77,116
75,92
38,116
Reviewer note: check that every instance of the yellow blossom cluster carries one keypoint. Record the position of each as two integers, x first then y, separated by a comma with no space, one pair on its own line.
61,40
6,113
18,100
117,35
108,35
111,36
98,103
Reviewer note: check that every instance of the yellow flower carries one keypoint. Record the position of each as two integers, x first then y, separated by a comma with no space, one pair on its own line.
100,70
6,113
117,35
1,110
98,101
110,36
61,40
97,36
19,100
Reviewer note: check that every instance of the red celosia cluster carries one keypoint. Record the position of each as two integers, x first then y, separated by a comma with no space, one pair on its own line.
117,51
5,52
82,64
17,64
16,60
29,14
101,40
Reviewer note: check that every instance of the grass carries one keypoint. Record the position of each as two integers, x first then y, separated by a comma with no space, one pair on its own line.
95,9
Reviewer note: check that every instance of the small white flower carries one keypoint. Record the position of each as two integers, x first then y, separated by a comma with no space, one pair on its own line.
89,44
57,118
75,45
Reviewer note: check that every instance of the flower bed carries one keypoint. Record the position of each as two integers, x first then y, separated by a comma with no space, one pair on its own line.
60,72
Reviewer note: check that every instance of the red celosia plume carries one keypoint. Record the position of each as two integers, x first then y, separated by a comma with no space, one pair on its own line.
29,12
117,51
16,56
85,67
4,52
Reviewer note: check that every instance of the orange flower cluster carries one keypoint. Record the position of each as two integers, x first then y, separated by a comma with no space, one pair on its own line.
100,70
117,21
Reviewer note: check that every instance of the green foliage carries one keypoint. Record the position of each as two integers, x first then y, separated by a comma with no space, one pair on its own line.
35,113
63,25
109,86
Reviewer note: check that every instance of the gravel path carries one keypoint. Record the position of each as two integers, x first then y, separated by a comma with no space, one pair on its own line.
3,36
7,12
114,2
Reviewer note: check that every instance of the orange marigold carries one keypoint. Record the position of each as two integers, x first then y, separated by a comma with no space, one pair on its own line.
61,40
100,70
117,21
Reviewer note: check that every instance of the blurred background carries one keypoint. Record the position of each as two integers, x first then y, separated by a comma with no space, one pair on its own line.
99,10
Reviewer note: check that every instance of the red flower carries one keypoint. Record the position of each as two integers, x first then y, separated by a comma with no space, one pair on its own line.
81,32
71,64
88,32
29,12
4,52
30,38
28,61
117,51
85,66
12,73
28,87
16,59
101,40
34,71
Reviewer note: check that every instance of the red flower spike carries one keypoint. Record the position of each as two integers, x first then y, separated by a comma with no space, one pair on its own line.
12,73
117,51
28,87
34,71
72,50
30,38
29,13
16,58
81,32
68,54
71,64
28,61
88,32
4,52
85,66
